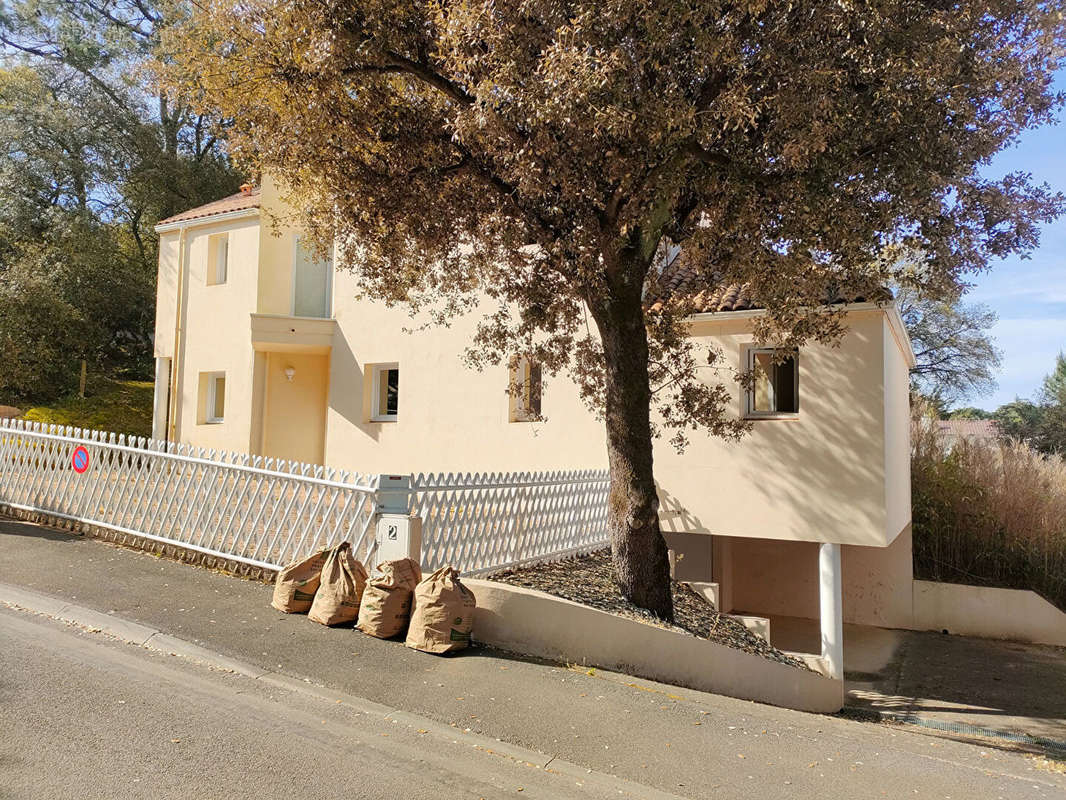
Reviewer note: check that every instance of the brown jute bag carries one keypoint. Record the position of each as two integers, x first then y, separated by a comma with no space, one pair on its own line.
341,589
295,586
443,616
386,605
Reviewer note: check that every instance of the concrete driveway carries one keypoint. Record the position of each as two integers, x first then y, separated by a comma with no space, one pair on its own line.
940,680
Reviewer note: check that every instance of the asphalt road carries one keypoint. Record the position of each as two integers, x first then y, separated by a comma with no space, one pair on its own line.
85,716
63,731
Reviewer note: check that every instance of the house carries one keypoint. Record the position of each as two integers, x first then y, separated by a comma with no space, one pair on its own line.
262,347
952,431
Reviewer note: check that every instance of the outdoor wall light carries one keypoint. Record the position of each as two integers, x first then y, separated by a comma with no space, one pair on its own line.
290,373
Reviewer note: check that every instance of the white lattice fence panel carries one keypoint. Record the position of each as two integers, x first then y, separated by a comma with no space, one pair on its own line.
483,521
248,508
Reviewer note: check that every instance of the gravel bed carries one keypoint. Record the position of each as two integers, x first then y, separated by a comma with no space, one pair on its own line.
590,580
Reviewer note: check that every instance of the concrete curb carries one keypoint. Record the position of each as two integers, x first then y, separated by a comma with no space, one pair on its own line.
143,636
528,621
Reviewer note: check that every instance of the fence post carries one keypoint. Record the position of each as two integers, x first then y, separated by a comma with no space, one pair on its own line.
397,530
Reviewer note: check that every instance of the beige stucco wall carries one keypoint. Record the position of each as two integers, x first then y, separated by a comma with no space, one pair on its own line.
989,612
821,476
897,435
215,335
818,476
780,578
824,476
276,247
450,417
166,293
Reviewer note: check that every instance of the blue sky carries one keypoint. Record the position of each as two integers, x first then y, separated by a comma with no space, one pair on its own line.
1029,295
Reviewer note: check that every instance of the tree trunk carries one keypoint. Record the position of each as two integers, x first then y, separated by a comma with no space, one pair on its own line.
642,568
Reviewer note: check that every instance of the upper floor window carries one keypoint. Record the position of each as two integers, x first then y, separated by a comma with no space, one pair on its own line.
312,283
524,390
217,258
385,393
774,390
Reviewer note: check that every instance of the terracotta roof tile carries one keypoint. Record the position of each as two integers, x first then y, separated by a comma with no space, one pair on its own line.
710,295
235,202
968,428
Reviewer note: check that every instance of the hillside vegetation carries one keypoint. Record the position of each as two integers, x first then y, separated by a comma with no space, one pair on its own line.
989,513
109,405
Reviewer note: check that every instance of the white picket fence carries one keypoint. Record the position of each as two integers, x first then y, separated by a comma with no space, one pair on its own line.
265,513
250,509
489,521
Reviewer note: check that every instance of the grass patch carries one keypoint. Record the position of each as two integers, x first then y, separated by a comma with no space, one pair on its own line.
108,405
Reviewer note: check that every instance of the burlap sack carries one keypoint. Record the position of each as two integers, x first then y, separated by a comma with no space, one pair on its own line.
295,586
443,615
341,589
386,606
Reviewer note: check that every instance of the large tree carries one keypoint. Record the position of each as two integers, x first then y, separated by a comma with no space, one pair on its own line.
542,153
1041,424
91,160
955,356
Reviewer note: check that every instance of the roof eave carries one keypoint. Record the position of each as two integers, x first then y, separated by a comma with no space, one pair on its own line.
890,309
207,219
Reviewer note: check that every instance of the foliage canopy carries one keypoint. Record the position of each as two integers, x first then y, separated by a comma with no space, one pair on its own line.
91,160
544,154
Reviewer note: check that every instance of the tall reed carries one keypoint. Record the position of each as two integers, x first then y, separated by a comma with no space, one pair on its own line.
988,512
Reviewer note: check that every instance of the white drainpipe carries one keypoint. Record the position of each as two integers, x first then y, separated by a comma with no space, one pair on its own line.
832,610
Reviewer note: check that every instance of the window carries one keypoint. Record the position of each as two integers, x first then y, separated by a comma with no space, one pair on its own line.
217,258
775,388
524,390
312,283
213,395
385,393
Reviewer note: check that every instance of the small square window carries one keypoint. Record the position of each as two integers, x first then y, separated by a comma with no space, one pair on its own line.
385,393
217,258
524,389
213,397
774,390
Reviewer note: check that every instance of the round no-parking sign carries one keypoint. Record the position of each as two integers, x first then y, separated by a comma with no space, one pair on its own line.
80,459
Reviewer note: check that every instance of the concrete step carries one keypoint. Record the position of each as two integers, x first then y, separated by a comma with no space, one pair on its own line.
814,662
760,626
705,589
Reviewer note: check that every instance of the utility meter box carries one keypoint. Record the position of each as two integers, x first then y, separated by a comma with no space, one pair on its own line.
398,536
394,494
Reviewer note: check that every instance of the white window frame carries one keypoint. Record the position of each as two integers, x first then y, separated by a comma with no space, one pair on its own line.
377,373
749,402
212,389
329,282
218,259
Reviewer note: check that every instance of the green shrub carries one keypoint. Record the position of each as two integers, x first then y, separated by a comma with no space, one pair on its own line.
108,405
989,513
